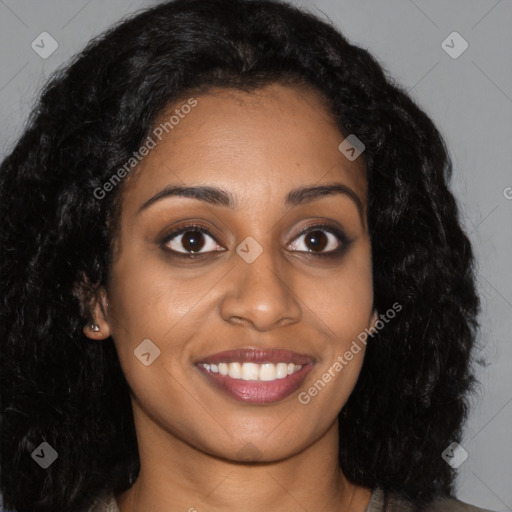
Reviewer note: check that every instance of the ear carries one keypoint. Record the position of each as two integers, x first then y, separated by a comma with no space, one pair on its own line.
93,302
99,328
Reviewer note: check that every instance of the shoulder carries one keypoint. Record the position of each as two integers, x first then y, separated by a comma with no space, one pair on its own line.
379,503
453,505
384,502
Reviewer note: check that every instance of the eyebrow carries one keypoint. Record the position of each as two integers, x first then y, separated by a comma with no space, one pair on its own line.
219,197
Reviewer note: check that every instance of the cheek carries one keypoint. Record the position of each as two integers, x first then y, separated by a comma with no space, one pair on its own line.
148,298
150,304
344,304
154,301
344,300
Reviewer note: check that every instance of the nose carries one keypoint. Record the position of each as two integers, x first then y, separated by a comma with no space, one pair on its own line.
260,294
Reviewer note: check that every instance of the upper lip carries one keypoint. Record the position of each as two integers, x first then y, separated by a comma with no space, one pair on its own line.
257,355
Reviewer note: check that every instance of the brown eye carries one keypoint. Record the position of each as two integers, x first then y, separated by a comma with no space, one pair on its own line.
316,240
191,240
328,240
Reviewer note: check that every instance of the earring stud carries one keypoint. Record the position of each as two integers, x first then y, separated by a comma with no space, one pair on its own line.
95,327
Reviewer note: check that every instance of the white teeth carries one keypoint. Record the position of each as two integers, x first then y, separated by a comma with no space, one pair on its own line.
235,370
254,371
267,371
281,370
250,371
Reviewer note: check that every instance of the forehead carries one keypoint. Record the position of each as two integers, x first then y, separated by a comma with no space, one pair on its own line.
259,143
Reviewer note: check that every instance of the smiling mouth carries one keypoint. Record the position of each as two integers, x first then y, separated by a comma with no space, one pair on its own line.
264,372
256,376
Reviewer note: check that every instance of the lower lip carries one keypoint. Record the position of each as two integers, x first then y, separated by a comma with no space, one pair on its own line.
255,391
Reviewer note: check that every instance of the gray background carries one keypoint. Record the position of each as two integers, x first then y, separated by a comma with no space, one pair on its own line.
470,99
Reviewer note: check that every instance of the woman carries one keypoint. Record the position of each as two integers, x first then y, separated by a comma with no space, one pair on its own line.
230,268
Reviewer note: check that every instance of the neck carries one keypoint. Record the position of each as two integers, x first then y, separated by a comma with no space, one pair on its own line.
175,476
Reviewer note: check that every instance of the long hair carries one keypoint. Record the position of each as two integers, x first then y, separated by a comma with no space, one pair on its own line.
59,387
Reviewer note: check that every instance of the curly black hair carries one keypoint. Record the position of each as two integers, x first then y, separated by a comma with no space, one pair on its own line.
412,396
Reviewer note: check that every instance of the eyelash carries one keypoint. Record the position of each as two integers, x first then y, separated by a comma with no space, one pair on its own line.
343,240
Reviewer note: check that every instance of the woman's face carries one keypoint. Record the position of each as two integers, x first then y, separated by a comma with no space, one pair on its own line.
245,279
